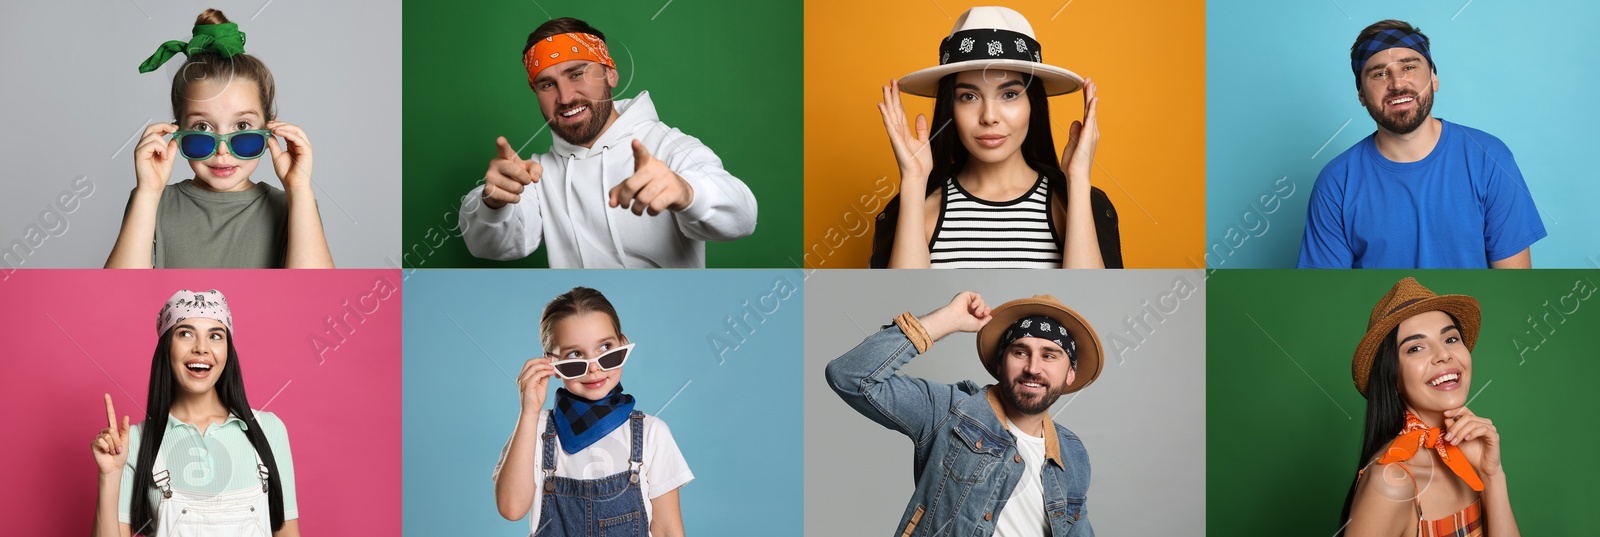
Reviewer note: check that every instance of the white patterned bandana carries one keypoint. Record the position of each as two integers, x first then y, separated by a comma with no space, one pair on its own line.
1044,328
185,304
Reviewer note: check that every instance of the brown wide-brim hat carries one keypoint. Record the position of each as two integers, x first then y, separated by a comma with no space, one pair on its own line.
1405,300
1090,354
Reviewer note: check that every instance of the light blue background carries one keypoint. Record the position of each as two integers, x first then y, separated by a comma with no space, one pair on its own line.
737,418
1278,86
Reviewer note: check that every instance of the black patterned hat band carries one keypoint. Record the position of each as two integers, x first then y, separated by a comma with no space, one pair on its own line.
991,38
1041,327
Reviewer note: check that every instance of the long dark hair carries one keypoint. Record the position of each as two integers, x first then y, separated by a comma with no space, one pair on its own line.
1038,149
1386,409
158,405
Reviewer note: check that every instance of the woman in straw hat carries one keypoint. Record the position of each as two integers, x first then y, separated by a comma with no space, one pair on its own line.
1429,466
993,193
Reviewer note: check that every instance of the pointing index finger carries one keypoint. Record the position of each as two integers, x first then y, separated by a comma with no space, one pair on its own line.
505,150
111,414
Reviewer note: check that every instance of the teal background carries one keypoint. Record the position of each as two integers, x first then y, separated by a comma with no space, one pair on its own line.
726,72
735,416
1278,86
1284,420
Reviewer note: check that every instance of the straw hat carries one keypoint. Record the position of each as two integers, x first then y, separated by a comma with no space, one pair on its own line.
1090,354
1406,299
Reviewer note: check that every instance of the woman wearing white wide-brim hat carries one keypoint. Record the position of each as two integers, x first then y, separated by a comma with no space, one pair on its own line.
981,186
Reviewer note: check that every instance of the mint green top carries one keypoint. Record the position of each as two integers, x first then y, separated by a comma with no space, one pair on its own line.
221,460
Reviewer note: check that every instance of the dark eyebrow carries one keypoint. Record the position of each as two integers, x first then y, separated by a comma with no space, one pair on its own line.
576,66
1381,66
1442,331
963,85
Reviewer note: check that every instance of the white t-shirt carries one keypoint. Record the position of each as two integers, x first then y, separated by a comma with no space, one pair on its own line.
1024,511
663,470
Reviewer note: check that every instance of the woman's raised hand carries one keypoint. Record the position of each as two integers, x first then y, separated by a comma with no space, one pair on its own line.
1082,137
1462,426
911,149
111,445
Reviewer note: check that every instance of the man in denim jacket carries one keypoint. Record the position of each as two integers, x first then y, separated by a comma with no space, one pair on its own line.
989,460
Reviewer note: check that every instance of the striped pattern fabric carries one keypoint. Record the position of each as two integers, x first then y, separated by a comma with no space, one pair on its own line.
1467,523
976,233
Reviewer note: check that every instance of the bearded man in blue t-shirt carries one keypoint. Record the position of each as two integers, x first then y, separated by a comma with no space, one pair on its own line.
1420,192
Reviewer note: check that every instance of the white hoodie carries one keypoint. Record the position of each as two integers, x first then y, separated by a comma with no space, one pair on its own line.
567,207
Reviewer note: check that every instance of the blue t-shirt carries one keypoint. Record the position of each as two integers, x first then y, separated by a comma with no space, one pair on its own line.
1462,206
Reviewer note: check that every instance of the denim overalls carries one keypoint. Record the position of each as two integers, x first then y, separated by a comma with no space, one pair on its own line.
605,507
234,513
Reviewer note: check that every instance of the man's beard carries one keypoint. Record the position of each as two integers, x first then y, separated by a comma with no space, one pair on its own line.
1029,403
585,132
1408,121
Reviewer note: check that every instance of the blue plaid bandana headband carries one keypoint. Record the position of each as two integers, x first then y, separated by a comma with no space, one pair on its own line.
1386,40
1041,327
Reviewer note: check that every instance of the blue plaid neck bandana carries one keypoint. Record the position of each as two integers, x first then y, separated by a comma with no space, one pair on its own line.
1386,40
1041,327
581,422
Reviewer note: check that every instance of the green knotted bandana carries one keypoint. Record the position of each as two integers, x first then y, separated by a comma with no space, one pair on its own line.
221,39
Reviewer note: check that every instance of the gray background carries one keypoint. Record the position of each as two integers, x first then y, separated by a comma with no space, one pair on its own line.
1143,420
73,102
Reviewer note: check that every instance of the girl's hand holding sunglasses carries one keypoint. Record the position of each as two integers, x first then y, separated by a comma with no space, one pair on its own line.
533,382
153,157
293,164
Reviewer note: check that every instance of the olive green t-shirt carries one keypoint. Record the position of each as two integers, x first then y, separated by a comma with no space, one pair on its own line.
198,228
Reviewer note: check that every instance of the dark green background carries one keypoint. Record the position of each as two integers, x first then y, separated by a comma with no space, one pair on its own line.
728,73
1280,455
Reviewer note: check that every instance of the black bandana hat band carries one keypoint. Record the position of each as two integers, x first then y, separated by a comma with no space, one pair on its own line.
1386,40
1041,327
988,44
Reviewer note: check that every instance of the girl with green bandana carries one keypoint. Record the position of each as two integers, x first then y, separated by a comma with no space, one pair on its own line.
592,465
226,121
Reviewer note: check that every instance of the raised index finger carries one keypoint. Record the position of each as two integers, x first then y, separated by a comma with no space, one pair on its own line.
111,414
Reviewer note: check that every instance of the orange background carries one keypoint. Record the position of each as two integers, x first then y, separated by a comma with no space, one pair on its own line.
1148,59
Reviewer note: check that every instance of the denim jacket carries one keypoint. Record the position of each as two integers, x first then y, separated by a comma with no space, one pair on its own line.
966,461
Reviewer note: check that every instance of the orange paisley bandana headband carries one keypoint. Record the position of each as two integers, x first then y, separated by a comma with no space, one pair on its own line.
564,48
1417,435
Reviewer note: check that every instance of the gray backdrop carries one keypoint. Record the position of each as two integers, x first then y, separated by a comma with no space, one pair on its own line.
1143,420
72,101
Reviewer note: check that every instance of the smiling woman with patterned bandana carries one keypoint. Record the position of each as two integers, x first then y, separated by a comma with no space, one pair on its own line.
198,418
1429,466
592,465
989,459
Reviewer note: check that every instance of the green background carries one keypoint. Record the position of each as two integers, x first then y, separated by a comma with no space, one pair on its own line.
728,73
1281,453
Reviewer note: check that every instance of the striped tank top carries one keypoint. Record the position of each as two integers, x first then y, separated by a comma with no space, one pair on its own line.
977,233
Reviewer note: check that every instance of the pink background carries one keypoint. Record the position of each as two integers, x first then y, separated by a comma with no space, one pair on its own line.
72,335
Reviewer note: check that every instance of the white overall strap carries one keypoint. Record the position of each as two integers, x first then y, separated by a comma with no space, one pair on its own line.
158,472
